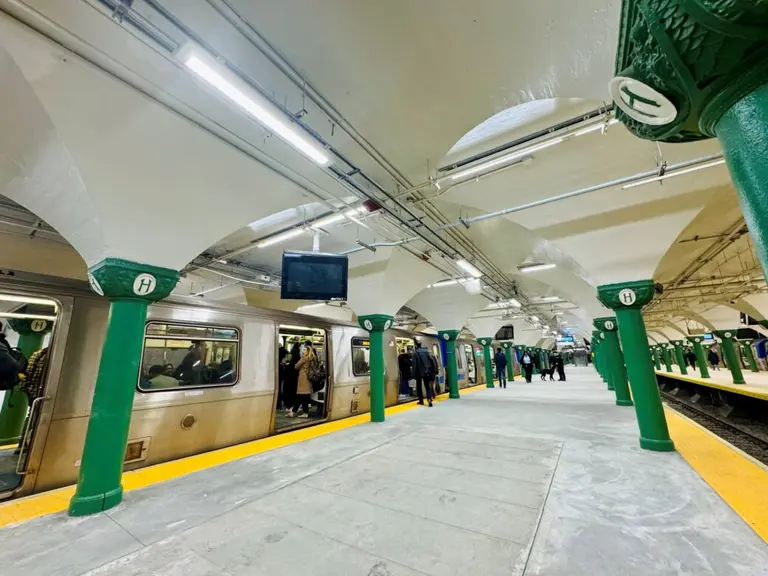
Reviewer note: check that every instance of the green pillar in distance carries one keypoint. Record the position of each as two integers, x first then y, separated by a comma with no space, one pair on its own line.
666,355
600,359
614,359
747,344
532,352
451,369
729,352
15,404
508,352
486,343
678,344
701,359
656,357
627,300
130,287
376,325
520,349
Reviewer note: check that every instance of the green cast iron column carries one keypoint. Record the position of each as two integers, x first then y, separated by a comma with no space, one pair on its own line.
730,354
750,355
520,350
627,300
130,288
667,356
678,344
486,343
615,359
600,360
15,403
510,364
451,369
656,357
376,325
701,359
532,353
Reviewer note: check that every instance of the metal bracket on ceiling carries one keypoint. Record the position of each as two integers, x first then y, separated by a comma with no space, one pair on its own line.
366,246
121,9
464,222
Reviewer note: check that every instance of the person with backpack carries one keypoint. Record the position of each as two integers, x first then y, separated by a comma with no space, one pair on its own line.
424,370
12,363
308,363
500,359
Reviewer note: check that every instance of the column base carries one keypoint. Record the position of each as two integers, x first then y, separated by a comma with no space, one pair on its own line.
85,505
657,445
453,396
12,440
611,388
624,403
490,385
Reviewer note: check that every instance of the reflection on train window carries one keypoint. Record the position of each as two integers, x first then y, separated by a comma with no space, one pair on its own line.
361,356
183,356
459,363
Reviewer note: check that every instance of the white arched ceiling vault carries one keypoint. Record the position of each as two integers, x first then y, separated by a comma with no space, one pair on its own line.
447,307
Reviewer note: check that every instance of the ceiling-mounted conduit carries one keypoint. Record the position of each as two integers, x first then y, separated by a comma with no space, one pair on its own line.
580,192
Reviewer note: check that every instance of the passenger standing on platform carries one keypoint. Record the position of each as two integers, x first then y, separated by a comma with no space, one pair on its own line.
423,372
690,356
527,363
405,363
304,385
714,359
290,377
560,366
500,359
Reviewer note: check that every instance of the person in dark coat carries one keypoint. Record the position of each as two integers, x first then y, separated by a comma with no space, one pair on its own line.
714,359
405,363
423,371
526,363
500,359
560,367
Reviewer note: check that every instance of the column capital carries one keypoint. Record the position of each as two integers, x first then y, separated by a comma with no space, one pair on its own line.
725,334
119,279
682,64
606,324
26,326
506,345
598,335
375,322
626,294
449,335
676,342
747,341
485,341
698,339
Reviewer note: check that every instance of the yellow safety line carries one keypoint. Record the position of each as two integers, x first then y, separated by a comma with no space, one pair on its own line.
743,389
9,446
739,480
36,505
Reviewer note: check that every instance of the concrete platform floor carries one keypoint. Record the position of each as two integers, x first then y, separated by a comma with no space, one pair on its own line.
538,479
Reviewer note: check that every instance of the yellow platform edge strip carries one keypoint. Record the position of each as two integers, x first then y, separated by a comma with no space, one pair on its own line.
738,479
50,502
743,389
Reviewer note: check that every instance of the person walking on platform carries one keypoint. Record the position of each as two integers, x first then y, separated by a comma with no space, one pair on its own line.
714,359
527,363
423,371
500,359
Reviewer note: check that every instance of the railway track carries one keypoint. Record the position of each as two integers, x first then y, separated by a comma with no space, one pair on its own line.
736,435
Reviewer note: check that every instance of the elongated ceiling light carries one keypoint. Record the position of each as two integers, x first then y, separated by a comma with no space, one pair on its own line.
711,164
469,268
230,85
507,158
282,237
549,298
535,267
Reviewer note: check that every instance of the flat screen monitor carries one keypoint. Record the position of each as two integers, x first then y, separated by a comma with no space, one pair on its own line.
506,333
314,276
565,339
708,336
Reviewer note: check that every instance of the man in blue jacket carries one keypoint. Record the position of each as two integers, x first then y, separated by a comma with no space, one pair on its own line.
500,359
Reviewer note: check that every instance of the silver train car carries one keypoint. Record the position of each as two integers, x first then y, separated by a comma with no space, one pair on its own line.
173,422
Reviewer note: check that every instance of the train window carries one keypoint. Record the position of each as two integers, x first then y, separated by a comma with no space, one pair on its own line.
188,356
459,363
361,356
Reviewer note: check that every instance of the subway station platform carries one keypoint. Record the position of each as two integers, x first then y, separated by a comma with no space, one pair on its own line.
544,478
756,382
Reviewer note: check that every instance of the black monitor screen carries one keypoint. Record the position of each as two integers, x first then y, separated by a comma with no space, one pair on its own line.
506,333
314,276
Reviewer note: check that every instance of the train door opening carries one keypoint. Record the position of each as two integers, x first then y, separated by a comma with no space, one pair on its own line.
27,326
405,348
439,382
471,370
303,377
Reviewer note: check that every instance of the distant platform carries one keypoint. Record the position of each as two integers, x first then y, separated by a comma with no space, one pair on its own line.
756,382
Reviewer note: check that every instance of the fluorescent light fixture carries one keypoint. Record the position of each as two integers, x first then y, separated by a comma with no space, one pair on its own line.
277,238
535,318
505,304
549,298
506,159
356,211
469,268
514,302
27,300
26,316
262,110
328,220
558,313
535,267
222,261
711,164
